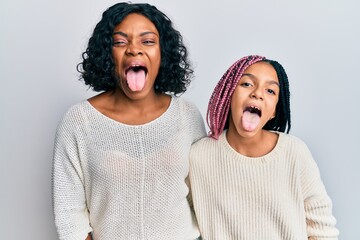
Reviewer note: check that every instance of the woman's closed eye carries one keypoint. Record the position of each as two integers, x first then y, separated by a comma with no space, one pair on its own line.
149,42
119,42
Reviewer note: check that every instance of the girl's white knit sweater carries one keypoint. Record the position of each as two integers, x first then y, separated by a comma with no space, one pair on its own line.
124,182
277,196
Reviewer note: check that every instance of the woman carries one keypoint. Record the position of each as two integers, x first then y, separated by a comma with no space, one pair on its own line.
121,157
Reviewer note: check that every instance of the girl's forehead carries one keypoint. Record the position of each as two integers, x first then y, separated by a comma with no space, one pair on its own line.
260,66
261,71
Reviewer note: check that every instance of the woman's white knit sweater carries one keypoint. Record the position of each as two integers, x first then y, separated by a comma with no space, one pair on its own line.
121,181
277,196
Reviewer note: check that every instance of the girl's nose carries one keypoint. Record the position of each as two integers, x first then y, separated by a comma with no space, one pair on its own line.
257,94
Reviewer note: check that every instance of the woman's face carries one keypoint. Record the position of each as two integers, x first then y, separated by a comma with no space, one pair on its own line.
255,98
137,55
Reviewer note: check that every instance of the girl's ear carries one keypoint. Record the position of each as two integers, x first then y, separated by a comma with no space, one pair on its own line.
273,116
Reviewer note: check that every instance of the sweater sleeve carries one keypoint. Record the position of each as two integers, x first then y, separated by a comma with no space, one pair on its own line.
69,201
189,196
318,206
197,131
196,123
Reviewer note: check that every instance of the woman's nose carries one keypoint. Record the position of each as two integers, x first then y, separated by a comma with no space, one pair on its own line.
133,49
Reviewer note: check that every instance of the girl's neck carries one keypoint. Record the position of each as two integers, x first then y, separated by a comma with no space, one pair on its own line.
252,146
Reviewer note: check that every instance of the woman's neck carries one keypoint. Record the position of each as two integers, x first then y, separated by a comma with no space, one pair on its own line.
119,107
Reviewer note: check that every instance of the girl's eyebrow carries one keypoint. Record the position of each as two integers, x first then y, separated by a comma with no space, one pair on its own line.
273,82
268,81
248,74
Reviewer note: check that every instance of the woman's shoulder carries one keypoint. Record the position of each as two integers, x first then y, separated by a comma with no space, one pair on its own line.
185,104
186,109
74,116
76,111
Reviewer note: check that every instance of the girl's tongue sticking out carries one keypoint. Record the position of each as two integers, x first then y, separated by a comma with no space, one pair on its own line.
251,118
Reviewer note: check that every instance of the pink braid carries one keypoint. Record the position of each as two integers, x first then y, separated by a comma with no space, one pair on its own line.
219,103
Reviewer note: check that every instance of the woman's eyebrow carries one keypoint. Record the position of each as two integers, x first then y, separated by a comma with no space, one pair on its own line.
149,32
141,34
121,33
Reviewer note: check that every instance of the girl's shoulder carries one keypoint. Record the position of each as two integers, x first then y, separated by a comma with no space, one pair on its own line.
285,138
293,146
207,145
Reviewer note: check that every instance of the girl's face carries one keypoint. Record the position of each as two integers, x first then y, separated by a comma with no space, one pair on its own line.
254,100
137,55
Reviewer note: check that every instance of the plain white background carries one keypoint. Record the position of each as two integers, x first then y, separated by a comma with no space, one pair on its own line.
41,42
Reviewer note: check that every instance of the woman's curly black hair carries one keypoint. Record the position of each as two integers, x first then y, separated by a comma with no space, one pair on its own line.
97,67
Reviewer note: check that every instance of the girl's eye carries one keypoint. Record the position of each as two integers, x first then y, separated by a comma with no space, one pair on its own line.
271,91
246,84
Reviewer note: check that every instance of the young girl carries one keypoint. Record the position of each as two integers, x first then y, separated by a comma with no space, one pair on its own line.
121,158
249,179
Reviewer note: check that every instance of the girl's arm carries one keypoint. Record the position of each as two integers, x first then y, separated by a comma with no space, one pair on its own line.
318,206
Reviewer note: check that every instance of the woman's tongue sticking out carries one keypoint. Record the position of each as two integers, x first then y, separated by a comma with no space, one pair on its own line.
136,78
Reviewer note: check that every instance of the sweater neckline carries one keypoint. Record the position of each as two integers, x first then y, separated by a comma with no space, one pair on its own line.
165,115
273,154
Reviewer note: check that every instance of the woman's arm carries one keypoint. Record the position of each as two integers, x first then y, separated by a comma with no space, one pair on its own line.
68,183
